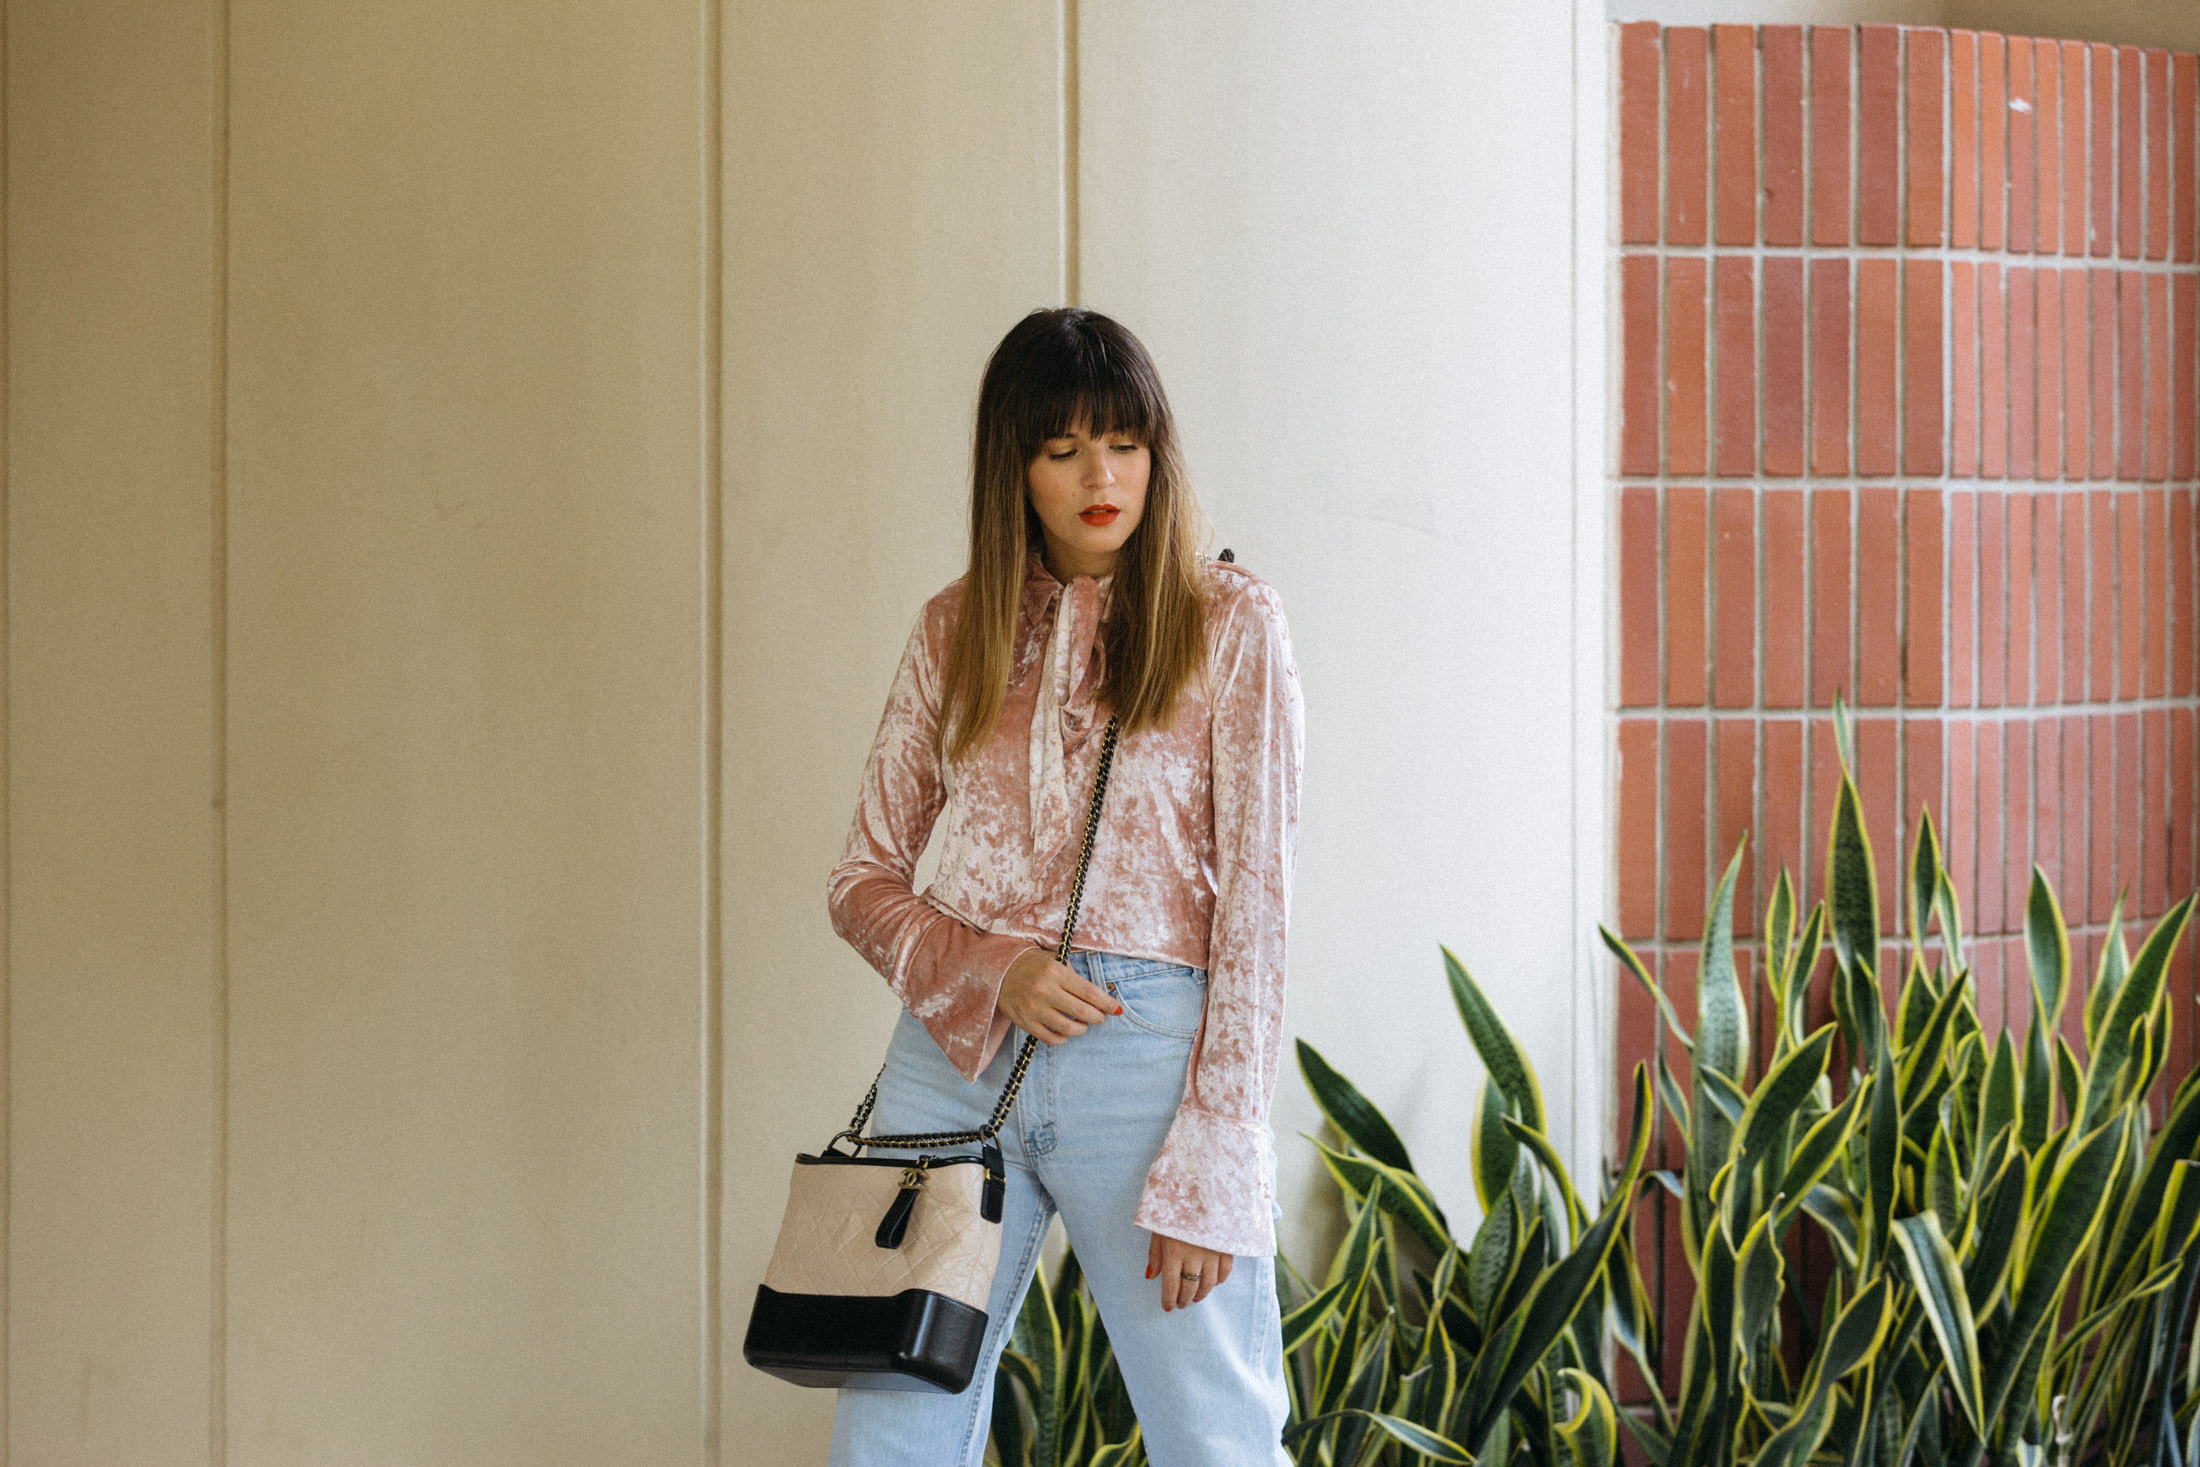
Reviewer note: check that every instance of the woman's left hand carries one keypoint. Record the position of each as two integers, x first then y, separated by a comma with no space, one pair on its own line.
1189,1273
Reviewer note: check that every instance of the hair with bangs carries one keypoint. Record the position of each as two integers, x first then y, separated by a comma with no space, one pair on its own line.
1054,371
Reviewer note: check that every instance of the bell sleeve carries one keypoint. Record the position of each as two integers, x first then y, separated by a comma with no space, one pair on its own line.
1212,1182
945,971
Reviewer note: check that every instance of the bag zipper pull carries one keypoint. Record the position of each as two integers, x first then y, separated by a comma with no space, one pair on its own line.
895,1225
995,1193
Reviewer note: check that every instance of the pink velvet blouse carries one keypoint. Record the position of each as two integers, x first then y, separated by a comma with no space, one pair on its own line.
1192,863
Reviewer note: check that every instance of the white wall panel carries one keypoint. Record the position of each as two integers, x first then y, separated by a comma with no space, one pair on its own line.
893,205
1342,232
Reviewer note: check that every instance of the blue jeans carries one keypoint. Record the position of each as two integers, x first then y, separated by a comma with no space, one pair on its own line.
1207,1381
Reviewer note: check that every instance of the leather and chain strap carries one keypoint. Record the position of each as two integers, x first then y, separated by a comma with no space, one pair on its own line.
984,1134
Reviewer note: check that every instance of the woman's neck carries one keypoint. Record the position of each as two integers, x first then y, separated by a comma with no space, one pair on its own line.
1064,563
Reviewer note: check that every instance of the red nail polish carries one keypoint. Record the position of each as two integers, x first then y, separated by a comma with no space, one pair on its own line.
1119,1008
1149,1270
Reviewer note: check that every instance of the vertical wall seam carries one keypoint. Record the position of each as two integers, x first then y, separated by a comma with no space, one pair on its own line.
1593,1107
217,1344
7,760
1073,264
712,732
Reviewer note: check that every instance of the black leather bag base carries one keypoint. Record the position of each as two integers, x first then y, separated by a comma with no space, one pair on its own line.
912,1341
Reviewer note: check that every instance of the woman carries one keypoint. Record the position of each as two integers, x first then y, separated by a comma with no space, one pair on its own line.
1144,1119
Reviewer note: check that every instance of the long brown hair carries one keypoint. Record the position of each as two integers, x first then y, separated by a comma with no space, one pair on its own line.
1054,370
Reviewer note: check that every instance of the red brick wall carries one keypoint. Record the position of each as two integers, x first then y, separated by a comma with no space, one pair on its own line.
1906,328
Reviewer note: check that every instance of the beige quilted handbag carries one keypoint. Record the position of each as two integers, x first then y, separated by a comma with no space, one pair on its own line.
883,1267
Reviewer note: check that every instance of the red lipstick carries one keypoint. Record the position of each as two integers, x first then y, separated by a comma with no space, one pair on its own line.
1099,514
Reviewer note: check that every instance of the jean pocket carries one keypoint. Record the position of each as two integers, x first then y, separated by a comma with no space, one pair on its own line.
1168,1001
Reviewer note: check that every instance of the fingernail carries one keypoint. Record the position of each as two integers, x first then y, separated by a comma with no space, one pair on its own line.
1149,1270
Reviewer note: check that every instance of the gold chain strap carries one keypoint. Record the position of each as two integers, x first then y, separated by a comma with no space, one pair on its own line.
984,1134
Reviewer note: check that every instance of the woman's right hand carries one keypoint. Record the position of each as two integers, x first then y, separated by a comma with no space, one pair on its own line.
1049,1001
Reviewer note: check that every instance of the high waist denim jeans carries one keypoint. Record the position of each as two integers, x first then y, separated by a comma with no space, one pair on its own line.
1206,1380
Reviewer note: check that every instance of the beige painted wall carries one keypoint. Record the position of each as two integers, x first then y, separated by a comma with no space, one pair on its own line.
470,466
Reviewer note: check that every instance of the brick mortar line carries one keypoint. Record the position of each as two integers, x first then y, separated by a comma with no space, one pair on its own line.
1960,254
1897,481
2003,713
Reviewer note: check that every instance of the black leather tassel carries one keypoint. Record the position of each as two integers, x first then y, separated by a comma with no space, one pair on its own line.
895,1225
995,1194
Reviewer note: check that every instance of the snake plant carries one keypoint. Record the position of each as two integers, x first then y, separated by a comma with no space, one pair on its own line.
2012,1225
1415,1345
2011,1222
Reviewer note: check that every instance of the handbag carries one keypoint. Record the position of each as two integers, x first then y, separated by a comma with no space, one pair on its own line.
883,1266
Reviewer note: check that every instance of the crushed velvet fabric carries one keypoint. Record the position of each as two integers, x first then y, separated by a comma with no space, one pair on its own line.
1192,863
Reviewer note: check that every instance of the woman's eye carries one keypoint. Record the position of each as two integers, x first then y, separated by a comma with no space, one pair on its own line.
1066,453
1126,448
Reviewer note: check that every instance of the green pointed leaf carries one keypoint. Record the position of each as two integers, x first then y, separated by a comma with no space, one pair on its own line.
2136,996
1669,1095
1834,1213
2179,1229
1401,1194
1998,1098
1913,1003
2047,952
1853,1341
2069,1210
1924,877
2069,1079
2108,975
1859,1009
2179,1138
1816,1152
1805,958
2037,1088
1920,1071
1494,1153
1352,1113
1779,931
1418,1438
1591,1435
1856,1334
1537,1145
1317,1311
1351,1261
1124,1453
1641,973
1501,1056
1883,1142
1508,1356
1722,1022
1779,1098
1852,885
1844,733
1758,1274
1722,1095
1996,1222
1943,1188
1951,919
1490,1256
1940,1290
